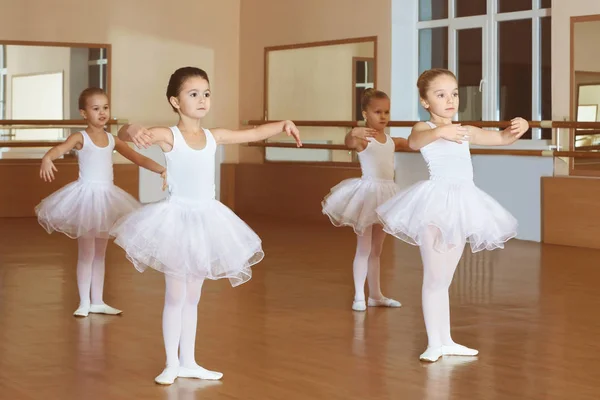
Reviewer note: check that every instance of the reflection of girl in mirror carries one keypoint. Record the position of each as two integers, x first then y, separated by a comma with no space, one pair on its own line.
353,202
442,214
87,208
190,236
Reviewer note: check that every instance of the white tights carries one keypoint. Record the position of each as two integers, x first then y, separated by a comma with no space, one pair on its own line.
90,270
367,263
438,271
180,317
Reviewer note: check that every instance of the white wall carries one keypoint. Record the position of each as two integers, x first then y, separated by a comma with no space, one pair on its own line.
515,182
34,60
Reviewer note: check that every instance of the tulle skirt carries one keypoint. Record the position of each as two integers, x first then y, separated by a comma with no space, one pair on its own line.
85,209
353,202
458,209
190,240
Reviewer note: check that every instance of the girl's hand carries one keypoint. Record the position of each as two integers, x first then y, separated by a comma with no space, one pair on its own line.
518,126
363,134
140,136
47,170
290,128
163,175
455,133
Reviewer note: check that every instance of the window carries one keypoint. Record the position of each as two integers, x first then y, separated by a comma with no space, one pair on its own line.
97,63
2,82
467,8
502,58
433,9
364,78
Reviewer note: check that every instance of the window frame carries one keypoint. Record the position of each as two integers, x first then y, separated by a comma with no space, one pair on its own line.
491,79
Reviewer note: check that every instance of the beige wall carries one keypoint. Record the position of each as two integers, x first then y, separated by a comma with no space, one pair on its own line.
150,39
36,60
562,11
586,41
267,23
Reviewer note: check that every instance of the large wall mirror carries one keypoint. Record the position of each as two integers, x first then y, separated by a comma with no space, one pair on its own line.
585,90
42,81
321,81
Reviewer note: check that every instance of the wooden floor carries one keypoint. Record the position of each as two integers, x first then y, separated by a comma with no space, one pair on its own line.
289,333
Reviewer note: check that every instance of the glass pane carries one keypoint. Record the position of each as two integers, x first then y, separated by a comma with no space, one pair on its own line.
433,53
358,92
546,4
360,71
94,54
514,54
370,71
546,61
104,86
94,76
469,74
433,9
467,8
514,5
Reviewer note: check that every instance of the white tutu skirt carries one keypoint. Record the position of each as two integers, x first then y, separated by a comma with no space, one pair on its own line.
353,202
85,209
459,210
190,240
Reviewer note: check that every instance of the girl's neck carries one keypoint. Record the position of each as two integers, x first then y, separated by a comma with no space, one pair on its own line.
378,130
437,120
189,125
94,130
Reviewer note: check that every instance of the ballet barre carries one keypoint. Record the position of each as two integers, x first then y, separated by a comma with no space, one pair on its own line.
409,124
525,153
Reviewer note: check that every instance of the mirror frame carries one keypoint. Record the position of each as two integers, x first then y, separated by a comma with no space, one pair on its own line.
574,93
107,46
311,44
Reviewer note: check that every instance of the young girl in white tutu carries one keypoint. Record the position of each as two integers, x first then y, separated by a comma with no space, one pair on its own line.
190,236
442,214
353,202
87,208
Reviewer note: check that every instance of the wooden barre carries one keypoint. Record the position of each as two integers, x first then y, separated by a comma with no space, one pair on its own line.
55,122
410,124
502,152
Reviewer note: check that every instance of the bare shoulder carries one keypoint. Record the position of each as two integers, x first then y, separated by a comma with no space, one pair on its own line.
421,126
75,140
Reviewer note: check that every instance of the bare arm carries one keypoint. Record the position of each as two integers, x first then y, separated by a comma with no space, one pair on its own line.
138,158
357,138
422,134
145,137
227,136
401,144
47,168
508,136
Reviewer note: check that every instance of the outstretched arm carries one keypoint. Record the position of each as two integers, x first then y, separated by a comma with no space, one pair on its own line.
508,136
422,134
358,138
141,160
401,144
227,136
144,137
47,168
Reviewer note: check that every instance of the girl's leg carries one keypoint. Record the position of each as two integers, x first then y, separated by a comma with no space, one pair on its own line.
85,258
360,268
98,270
187,360
175,296
438,271
434,293
449,347
376,298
